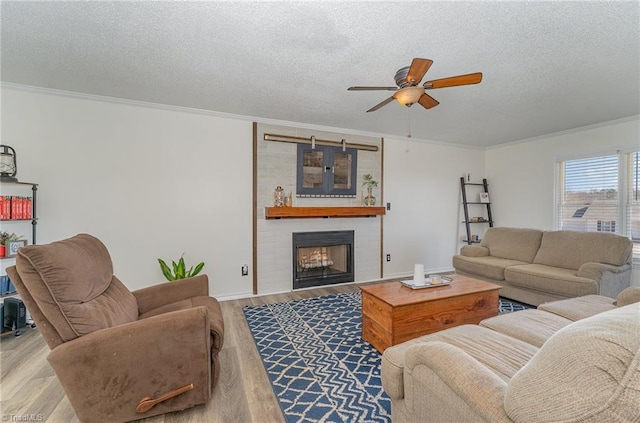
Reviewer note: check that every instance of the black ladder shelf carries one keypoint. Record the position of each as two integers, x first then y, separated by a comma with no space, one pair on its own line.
465,203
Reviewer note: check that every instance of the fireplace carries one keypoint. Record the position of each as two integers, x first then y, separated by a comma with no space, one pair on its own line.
322,258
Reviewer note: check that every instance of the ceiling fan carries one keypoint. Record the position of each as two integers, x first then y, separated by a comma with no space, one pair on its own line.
409,92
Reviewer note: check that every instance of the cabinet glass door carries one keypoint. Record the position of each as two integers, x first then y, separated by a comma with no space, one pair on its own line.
312,168
342,171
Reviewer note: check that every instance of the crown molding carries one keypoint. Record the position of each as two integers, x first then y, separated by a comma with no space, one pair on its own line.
182,109
568,131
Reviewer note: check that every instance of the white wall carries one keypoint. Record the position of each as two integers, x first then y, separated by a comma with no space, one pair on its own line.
148,182
523,174
156,182
422,183
153,182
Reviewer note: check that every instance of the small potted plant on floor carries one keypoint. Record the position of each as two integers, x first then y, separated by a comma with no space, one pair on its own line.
179,270
369,183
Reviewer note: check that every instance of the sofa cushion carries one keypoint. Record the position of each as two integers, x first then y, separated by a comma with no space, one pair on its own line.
531,326
72,283
486,267
570,250
500,353
579,308
555,280
588,372
519,244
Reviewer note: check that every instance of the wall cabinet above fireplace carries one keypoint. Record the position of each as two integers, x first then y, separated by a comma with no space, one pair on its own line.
326,171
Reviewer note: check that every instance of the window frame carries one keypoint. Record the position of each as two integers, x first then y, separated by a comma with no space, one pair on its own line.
626,202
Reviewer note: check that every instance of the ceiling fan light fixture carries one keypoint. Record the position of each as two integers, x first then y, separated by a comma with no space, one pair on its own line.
409,95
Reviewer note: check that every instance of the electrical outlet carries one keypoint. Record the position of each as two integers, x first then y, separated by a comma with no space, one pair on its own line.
245,270
388,206
388,257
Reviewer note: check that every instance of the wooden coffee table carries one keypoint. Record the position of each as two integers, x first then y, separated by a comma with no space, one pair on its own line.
393,313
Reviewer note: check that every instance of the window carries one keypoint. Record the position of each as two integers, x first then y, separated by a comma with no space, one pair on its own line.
601,194
606,226
633,202
326,171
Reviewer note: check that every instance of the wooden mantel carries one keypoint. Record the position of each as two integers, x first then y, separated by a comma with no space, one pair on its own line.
310,212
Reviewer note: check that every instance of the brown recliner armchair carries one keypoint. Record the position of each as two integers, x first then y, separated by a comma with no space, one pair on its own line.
119,355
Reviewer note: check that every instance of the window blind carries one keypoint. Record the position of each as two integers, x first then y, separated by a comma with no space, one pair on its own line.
589,195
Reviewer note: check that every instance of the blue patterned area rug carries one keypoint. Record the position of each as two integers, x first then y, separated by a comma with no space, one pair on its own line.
320,368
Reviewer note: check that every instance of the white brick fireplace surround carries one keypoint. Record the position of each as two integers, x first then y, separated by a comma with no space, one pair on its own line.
276,166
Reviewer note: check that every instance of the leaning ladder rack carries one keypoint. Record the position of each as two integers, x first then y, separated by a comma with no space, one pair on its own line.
465,203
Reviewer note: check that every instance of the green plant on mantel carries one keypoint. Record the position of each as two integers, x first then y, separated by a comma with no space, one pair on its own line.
369,183
6,237
179,270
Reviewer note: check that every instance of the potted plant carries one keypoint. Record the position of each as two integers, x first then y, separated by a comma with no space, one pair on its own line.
4,238
179,270
369,183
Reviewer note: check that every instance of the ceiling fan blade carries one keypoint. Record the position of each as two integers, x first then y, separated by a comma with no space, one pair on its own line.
382,103
417,70
454,81
371,88
427,101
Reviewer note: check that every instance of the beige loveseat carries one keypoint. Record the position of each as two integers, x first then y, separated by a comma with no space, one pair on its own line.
536,266
575,360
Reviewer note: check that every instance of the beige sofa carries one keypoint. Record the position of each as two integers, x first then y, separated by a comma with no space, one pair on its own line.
575,360
536,266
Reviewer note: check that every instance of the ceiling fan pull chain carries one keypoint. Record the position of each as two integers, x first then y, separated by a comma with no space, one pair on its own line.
409,113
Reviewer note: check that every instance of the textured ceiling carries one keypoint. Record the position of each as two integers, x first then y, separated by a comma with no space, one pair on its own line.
547,66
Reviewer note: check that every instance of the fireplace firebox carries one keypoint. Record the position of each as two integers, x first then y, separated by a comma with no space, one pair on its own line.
322,258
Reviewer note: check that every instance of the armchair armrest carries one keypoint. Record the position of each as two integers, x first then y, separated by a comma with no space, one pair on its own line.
170,292
474,251
106,373
481,389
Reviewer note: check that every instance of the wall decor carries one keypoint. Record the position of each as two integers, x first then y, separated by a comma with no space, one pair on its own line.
12,247
8,164
279,197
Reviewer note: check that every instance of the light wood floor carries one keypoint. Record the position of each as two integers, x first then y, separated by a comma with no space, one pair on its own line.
29,386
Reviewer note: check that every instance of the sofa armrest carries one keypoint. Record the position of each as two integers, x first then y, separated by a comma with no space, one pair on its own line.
611,280
628,296
481,389
474,251
596,271
171,292
106,373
